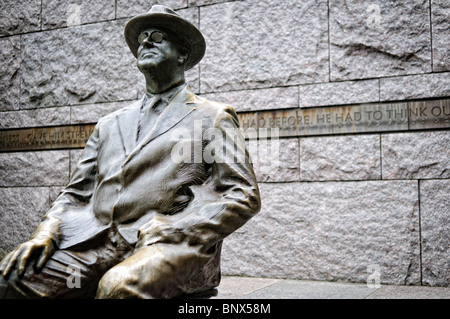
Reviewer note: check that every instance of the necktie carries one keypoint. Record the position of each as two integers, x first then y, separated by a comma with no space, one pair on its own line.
150,110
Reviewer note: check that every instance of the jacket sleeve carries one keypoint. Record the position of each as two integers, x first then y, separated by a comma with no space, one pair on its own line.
76,195
223,203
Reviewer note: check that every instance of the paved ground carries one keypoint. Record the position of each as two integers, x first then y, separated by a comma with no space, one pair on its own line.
264,288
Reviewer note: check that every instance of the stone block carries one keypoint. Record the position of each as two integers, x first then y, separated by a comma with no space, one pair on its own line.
402,292
415,87
440,21
91,113
379,39
9,73
79,65
259,44
340,158
19,16
275,160
256,100
21,210
130,8
330,231
416,155
49,168
36,117
339,93
206,2
300,289
240,287
435,230
62,13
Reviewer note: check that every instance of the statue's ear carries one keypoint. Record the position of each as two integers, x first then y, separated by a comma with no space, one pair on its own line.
183,57
184,51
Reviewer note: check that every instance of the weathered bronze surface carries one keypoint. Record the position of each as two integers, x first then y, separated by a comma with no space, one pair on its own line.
143,216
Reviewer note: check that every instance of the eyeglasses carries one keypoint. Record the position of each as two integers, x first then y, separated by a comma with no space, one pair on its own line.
155,36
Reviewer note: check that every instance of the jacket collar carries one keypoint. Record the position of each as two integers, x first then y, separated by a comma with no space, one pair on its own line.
178,108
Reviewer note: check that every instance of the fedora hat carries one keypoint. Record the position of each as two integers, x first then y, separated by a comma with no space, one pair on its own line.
164,17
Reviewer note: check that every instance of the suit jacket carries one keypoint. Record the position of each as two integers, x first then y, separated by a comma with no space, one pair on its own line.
147,195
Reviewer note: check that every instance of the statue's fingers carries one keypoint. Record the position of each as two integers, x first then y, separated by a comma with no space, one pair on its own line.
12,262
22,260
45,255
5,262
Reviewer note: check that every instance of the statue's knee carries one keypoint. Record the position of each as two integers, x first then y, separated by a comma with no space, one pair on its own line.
115,283
124,283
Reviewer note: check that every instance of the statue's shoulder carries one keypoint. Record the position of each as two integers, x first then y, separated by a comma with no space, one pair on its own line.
211,107
133,106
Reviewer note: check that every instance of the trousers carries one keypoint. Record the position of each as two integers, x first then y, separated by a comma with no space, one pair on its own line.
108,267
69,273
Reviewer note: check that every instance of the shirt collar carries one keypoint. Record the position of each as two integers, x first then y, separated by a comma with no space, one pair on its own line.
166,96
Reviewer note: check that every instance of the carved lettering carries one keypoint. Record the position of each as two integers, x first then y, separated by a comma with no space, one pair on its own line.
377,117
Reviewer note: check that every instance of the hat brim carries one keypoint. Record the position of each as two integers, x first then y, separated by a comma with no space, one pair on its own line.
181,27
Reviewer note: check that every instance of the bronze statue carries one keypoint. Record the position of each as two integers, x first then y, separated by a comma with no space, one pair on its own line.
135,221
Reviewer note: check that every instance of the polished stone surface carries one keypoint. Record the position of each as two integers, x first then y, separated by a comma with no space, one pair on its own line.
268,288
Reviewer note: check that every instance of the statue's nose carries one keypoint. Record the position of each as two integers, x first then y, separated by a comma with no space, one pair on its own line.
147,43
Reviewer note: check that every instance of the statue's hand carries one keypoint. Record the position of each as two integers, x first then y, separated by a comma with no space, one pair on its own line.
42,247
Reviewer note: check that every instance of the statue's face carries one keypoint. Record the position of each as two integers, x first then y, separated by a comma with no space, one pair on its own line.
156,51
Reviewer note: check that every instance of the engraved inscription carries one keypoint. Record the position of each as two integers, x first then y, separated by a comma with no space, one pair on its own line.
375,117
429,114
330,120
45,138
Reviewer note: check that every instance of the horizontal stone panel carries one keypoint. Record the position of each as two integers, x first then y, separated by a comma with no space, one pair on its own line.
429,114
363,118
275,160
206,2
377,39
62,13
256,44
9,73
435,231
416,155
21,210
339,93
415,87
50,168
441,37
340,158
263,124
78,65
261,99
91,113
46,138
35,117
330,231
19,16
130,8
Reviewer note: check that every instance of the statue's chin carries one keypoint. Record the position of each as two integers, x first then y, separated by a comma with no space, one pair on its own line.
147,66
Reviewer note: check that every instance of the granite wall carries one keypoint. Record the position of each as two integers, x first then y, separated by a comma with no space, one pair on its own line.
348,207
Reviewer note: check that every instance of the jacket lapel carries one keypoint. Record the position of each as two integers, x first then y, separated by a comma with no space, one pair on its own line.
128,122
180,106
